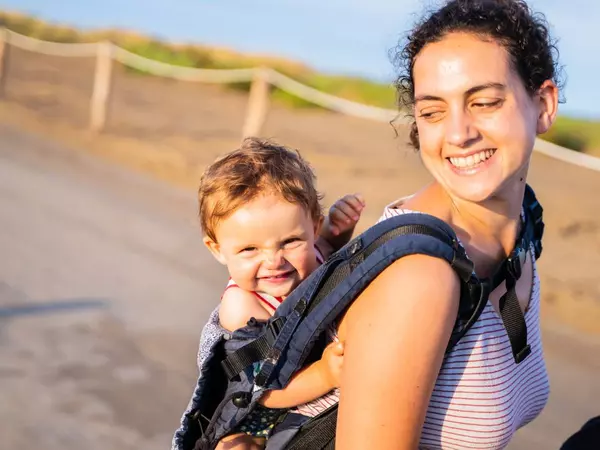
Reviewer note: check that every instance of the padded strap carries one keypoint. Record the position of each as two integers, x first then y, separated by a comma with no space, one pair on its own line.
260,349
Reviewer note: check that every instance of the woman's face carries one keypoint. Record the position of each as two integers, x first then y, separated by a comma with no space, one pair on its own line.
477,123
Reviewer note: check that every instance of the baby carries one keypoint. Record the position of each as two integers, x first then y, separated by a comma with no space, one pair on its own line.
261,217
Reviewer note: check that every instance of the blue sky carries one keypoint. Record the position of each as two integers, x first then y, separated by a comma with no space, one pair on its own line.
338,36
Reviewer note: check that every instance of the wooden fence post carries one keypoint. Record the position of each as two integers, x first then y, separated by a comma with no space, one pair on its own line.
102,87
258,103
4,53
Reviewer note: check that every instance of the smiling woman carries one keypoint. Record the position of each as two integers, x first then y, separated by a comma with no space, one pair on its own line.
480,79
482,106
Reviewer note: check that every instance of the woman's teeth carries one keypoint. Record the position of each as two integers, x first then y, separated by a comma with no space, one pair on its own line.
471,160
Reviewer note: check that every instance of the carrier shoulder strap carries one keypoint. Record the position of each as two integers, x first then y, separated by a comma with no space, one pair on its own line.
510,270
354,255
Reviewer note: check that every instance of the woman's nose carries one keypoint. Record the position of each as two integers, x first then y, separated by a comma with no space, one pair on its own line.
460,128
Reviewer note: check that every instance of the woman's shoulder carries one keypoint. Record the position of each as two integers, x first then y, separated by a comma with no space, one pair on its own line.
425,201
396,208
414,269
422,202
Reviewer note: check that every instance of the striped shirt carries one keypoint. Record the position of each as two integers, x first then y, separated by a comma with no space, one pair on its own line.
481,397
267,300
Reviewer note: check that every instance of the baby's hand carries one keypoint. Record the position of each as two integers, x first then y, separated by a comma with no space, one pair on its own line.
332,359
345,213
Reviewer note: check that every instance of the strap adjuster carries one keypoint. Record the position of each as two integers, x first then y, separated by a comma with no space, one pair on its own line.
516,261
524,353
255,351
274,328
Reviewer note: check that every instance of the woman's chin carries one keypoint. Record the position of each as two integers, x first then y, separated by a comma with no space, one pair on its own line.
474,191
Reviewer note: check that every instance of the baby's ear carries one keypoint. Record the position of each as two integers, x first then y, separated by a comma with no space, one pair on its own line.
215,249
319,224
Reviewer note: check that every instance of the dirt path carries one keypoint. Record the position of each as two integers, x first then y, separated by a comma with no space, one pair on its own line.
104,287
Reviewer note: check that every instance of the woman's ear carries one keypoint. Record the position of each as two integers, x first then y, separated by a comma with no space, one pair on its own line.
215,249
548,106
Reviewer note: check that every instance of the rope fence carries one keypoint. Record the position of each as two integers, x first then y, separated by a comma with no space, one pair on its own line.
261,79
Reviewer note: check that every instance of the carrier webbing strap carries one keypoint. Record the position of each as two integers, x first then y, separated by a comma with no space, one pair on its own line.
514,322
511,270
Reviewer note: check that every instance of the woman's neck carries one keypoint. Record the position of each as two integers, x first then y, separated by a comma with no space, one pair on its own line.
488,230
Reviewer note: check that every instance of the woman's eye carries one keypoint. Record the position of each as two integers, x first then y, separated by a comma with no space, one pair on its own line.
483,105
430,114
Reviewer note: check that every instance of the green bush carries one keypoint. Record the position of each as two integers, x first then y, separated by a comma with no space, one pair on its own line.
158,51
576,134
568,139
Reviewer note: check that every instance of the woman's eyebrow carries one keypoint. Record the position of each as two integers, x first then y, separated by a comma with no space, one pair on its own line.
469,91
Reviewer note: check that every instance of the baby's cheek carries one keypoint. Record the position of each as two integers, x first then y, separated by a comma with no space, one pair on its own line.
244,275
304,264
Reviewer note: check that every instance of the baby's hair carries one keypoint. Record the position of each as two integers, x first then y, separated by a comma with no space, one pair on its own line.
258,167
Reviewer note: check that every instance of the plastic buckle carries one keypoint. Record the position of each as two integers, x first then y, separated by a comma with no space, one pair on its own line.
523,354
354,246
516,261
274,328
463,266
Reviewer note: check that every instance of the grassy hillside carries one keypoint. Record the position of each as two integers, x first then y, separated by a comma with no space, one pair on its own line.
188,55
573,133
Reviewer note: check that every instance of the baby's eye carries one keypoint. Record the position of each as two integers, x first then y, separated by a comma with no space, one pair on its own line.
248,249
291,242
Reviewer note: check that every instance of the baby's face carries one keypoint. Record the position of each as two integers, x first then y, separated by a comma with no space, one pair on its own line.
268,245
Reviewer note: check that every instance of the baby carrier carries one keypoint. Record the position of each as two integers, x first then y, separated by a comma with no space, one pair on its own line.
237,368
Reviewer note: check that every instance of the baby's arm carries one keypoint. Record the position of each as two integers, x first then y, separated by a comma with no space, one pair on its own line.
310,383
339,224
238,306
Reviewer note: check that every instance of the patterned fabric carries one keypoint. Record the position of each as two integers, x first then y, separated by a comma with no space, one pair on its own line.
260,421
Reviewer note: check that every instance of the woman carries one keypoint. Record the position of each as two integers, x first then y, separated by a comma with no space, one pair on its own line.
480,77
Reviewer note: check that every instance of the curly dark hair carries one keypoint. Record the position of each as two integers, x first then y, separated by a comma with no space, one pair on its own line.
511,23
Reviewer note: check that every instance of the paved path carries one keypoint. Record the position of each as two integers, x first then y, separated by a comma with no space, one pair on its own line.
104,286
